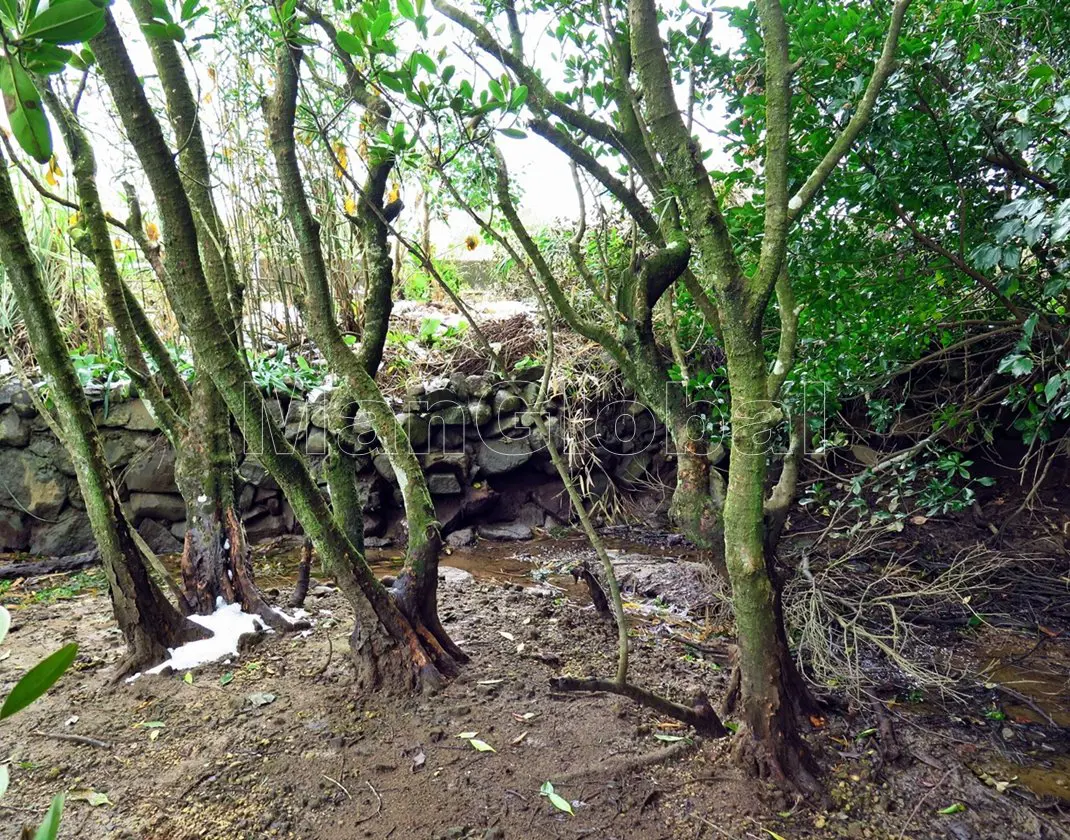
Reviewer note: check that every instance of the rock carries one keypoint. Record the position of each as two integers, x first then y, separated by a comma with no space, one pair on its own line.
682,583
509,531
31,484
169,507
553,499
530,514
297,420
502,455
382,466
506,402
452,415
14,395
14,530
153,471
416,427
443,484
121,446
462,538
480,413
45,445
451,574
316,443
458,462
633,468
130,414
256,473
531,374
246,497
179,530
70,534
479,386
501,426
264,527
158,537
14,430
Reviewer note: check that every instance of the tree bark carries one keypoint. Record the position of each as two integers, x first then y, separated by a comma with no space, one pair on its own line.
149,622
415,590
387,651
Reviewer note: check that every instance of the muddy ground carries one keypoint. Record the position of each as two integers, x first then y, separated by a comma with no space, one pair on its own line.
277,744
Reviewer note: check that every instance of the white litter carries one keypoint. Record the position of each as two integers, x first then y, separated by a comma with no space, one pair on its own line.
227,625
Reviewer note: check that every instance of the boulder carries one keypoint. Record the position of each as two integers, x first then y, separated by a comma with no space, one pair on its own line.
169,507
506,402
316,442
382,466
416,427
506,531
480,413
444,484
14,530
256,473
14,395
159,538
152,471
121,446
461,538
502,455
129,414
70,534
31,484
14,430
265,527
45,445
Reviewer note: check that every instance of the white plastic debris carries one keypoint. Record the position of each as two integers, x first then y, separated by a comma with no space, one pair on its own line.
227,625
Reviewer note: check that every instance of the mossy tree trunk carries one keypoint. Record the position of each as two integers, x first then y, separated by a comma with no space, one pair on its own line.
387,650
416,588
149,622
216,560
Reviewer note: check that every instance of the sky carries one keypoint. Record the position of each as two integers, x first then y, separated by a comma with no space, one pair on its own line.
539,170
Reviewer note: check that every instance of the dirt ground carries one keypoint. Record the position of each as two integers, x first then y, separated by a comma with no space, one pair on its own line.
276,744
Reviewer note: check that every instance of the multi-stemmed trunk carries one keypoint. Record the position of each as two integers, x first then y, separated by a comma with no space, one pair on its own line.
149,622
216,562
415,590
387,649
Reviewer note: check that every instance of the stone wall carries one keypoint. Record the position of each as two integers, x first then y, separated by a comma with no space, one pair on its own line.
485,463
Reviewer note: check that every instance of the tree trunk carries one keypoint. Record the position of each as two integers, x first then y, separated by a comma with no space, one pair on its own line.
387,650
772,690
149,622
415,590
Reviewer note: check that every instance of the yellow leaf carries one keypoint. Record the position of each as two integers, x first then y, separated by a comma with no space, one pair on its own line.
772,834
117,242
211,73
207,100
350,205
152,232
73,219
395,194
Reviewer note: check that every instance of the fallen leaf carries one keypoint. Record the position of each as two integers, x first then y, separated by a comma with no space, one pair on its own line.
227,678
188,678
773,834
661,736
260,698
559,802
471,734
506,635
418,761
90,796
524,735
481,746
71,721
956,808
490,682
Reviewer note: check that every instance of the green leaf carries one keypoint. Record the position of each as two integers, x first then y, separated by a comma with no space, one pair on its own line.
957,808
519,96
515,133
69,22
227,678
5,623
187,678
559,802
38,680
481,746
406,9
350,43
381,25
49,829
9,12
25,114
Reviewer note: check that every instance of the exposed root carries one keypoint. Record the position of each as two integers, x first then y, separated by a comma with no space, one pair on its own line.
701,715
629,763
783,764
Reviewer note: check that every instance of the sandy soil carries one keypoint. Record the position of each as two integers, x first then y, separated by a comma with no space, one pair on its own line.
276,743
